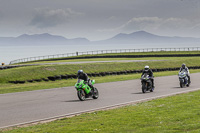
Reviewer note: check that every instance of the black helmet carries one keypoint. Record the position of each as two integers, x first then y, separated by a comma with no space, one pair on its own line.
183,66
80,71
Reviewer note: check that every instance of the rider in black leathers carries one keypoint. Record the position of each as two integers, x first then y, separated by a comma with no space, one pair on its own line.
150,73
83,76
183,67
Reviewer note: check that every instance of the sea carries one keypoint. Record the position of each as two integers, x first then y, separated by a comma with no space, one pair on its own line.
10,53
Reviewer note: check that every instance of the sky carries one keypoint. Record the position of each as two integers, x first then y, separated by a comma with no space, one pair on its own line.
99,19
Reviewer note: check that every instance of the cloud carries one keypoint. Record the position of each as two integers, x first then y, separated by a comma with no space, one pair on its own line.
136,24
46,17
152,24
141,23
1,15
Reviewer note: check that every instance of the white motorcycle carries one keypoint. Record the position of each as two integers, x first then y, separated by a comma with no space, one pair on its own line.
183,78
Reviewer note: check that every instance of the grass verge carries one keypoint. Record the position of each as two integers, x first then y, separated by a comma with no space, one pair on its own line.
10,88
100,59
38,72
173,114
65,59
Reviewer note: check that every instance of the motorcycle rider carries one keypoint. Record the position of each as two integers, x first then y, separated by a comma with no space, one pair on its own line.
83,76
150,73
184,68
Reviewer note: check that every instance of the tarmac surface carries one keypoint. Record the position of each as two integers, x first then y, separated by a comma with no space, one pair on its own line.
82,62
31,106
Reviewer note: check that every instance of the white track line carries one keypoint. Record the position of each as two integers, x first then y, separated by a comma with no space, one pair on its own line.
96,109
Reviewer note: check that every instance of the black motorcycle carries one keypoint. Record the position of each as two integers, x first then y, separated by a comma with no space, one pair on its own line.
146,83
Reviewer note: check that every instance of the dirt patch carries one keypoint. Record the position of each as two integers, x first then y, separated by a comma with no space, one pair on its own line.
49,69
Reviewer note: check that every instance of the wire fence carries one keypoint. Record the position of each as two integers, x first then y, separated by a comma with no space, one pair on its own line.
102,52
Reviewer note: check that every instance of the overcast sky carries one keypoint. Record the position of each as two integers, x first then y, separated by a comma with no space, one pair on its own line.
99,19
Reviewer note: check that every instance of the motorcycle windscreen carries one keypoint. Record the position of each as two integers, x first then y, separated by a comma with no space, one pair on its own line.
145,75
92,81
79,80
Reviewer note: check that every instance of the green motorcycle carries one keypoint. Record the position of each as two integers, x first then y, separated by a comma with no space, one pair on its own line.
84,91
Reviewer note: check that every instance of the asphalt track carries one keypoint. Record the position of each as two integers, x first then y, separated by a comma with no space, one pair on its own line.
32,106
83,62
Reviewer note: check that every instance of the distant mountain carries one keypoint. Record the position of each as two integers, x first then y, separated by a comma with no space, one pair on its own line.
140,37
145,37
42,39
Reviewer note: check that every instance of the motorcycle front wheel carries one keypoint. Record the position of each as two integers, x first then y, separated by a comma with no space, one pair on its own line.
144,87
81,95
181,84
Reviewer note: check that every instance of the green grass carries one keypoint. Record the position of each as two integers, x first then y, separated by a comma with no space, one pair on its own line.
131,53
97,59
174,114
167,115
105,59
10,88
43,71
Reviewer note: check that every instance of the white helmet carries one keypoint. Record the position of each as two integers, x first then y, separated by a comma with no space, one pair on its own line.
146,68
80,71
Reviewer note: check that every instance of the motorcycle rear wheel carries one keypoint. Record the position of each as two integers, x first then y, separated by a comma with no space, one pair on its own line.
95,94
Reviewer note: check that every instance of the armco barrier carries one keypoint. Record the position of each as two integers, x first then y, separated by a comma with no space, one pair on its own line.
73,76
126,56
111,56
46,57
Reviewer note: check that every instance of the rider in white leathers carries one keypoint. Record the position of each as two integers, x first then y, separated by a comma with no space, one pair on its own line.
184,68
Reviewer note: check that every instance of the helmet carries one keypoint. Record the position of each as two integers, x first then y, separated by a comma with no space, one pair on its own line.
80,71
183,66
146,68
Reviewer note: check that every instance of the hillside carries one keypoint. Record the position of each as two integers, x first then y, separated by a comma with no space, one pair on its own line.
140,37
145,37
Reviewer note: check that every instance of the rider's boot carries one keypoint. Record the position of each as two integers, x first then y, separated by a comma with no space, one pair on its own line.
91,86
153,87
92,89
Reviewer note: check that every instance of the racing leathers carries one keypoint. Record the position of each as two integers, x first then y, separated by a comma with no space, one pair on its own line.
85,77
188,72
150,73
